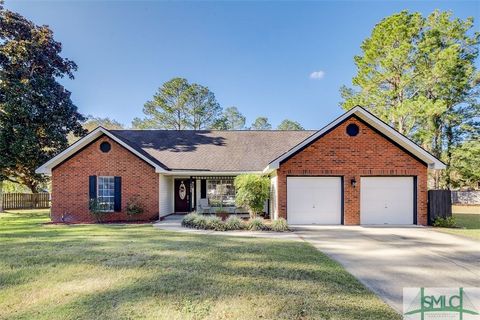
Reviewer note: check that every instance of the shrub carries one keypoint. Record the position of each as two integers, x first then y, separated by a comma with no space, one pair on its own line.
134,207
215,223
256,224
98,209
251,192
447,222
200,222
189,220
234,223
279,225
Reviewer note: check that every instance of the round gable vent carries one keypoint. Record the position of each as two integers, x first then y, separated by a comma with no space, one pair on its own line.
352,129
105,147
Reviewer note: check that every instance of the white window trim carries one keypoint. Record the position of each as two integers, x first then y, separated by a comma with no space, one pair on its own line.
98,190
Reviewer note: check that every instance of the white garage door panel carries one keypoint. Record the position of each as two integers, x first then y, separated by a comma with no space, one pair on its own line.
386,200
314,200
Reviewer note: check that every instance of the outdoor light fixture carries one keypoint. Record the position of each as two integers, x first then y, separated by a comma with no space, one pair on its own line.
353,182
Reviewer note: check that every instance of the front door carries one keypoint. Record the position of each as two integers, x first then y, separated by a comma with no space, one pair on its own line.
182,195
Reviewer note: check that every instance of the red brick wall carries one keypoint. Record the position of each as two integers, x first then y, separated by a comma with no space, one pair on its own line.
70,182
367,154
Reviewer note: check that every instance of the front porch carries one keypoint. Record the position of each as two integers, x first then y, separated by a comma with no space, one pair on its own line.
203,194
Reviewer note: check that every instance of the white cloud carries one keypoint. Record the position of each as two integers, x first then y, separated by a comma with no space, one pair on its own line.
317,75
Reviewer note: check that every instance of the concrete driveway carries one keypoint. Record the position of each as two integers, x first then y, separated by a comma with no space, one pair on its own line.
387,259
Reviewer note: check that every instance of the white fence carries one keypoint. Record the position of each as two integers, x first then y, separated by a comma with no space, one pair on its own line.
466,197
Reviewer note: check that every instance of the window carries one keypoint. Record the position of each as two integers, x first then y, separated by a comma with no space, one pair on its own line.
221,193
105,147
106,193
352,129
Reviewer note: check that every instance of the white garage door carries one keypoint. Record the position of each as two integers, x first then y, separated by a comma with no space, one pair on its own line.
314,200
386,200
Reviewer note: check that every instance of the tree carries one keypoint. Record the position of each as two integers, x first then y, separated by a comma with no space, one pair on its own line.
261,123
168,109
94,122
36,112
203,109
180,105
418,74
251,192
231,119
385,71
466,165
289,125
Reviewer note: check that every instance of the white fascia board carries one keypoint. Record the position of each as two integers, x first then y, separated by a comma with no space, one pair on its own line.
46,168
208,173
433,163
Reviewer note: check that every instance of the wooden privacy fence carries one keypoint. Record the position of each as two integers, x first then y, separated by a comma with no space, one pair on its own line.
439,204
26,200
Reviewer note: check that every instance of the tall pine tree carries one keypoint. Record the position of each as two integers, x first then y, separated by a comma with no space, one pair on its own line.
418,74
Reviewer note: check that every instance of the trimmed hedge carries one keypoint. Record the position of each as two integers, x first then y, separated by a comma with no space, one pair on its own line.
211,222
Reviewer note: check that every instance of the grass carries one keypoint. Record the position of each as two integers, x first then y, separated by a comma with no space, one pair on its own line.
468,221
137,271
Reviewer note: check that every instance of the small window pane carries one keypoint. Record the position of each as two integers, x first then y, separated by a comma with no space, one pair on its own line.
106,193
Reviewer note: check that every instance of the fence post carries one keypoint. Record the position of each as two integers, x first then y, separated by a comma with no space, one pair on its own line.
439,204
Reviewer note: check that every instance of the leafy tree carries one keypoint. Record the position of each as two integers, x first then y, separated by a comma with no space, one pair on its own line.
289,125
94,122
36,112
466,165
418,74
261,123
203,109
251,192
231,119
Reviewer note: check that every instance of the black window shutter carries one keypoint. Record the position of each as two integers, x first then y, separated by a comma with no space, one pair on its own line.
117,204
92,187
203,189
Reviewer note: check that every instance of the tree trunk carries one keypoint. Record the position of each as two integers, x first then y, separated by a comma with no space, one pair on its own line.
1,195
449,136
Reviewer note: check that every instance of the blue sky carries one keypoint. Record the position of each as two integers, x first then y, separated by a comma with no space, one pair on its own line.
257,56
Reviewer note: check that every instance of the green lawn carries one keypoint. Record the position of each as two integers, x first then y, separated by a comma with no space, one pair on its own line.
136,271
468,221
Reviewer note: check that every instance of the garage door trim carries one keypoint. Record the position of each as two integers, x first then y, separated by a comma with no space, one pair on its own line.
342,191
415,192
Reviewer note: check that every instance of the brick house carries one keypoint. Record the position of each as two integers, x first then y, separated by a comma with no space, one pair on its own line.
355,170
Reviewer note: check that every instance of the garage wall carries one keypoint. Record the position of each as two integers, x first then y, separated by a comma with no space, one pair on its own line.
367,154
273,196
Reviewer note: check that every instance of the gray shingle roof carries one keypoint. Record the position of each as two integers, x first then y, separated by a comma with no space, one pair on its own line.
212,150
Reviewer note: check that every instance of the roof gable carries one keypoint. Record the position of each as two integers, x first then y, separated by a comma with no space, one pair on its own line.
47,167
378,125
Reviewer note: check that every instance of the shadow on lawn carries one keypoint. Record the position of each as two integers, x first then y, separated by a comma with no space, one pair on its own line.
182,269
